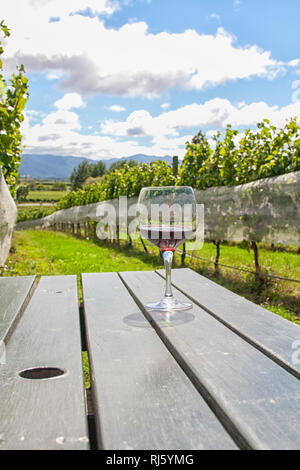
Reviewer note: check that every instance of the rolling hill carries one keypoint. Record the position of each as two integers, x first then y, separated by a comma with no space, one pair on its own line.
60,167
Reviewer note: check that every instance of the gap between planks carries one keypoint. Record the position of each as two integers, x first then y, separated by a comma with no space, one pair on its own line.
256,345
224,419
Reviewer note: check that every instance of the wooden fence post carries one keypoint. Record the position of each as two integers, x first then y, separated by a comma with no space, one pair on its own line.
183,254
175,165
217,244
256,260
118,234
129,238
145,248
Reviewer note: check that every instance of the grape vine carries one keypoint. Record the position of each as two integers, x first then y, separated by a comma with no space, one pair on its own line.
266,152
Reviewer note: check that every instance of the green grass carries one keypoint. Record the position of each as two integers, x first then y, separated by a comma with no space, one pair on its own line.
40,196
86,369
284,263
52,253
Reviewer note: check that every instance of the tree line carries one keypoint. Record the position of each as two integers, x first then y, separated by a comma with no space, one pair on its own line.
127,180
89,173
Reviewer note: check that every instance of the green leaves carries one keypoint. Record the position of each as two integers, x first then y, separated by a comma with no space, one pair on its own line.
264,153
13,98
84,170
125,181
4,29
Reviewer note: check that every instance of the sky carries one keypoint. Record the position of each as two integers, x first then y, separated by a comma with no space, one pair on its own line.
113,78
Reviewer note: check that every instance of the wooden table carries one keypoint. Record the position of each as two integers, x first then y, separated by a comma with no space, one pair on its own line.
224,375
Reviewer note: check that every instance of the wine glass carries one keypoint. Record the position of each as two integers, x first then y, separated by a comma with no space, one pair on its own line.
167,218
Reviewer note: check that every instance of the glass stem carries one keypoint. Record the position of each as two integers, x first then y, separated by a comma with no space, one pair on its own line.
168,258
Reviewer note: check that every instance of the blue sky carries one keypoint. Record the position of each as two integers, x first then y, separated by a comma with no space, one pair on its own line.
116,78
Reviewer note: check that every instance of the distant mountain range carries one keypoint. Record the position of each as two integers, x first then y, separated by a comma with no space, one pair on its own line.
60,167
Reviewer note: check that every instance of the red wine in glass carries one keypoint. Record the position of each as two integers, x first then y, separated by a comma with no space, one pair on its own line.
166,238
167,218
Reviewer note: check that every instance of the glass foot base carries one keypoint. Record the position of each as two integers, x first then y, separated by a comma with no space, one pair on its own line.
169,304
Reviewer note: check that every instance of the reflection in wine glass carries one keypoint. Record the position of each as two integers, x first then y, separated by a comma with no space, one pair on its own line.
167,218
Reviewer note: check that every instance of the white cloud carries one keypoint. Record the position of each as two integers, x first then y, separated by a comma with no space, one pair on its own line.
116,108
61,138
294,63
128,61
56,127
69,101
59,132
54,76
216,113
165,105
138,123
44,10
61,120
214,16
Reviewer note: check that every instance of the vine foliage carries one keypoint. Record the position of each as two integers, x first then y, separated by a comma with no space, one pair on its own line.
263,153
13,98
230,161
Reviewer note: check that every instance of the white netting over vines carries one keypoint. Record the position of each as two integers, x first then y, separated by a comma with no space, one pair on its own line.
265,210
8,214
80,214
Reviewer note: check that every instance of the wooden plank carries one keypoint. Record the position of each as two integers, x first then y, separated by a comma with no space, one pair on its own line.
269,332
46,413
142,398
15,293
252,395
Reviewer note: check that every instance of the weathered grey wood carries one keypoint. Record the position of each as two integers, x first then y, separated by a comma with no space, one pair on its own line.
15,293
252,395
269,332
45,413
142,398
